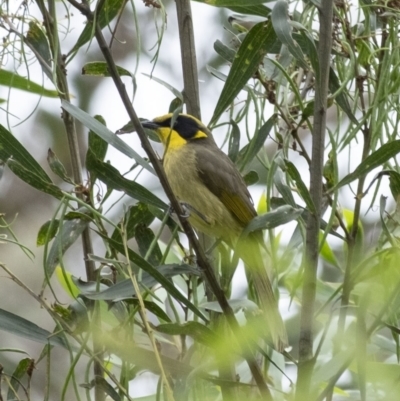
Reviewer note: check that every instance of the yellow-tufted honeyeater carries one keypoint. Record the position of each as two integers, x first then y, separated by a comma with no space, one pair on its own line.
204,178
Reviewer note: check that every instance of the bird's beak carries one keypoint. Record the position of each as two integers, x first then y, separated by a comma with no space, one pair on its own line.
149,124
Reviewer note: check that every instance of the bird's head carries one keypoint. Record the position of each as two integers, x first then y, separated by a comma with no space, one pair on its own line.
176,133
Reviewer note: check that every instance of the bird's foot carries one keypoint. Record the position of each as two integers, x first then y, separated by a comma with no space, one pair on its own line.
189,210
185,208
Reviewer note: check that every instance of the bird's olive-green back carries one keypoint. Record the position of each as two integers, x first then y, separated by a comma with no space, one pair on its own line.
222,178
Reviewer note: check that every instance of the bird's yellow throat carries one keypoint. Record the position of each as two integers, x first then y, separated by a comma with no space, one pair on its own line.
172,140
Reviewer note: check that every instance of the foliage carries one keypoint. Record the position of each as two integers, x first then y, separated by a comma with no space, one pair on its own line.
145,304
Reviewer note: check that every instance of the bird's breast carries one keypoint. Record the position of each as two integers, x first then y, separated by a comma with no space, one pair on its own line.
213,218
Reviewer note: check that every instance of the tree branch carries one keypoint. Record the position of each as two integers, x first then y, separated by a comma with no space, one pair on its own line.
306,361
189,63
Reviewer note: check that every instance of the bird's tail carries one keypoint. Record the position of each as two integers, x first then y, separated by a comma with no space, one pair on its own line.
249,251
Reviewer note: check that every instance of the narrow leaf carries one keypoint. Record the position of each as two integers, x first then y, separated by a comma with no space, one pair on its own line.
8,78
135,215
24,365
275,218
250,151
97,149
124,289
234,142
176,92
394,184
100,69
24,328
303,190
144,238
376,159
156,274
151,307
283,29
104,133
283,188
57,167
97,145
224,51
259,10
114,180
37,40
33,179
67,235
196,330
47,232
11,147
231,3
341,98
248,58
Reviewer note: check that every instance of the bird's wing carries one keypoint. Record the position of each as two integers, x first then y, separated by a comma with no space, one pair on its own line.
221,177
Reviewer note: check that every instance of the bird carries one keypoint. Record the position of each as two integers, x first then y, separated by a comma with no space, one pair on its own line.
214,193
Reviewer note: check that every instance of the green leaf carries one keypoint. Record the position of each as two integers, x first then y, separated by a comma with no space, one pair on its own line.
175,104
327,253
33,179
145,359
24,328
259,10
114,180
251,178
107,14
102,383
248,58
330,368
24,366
144,238
231,3
394,183
124,289
11,147
275,218
176,92
308,44
8,78
37,40
97,149
283,29
234,142
135,215
57,167
47,232
100,69
303,190
308,111
242,304
283,188
196,330
341,98
104,133
151,307
250,151
224,51
376,159
97,145
67,235
156,274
